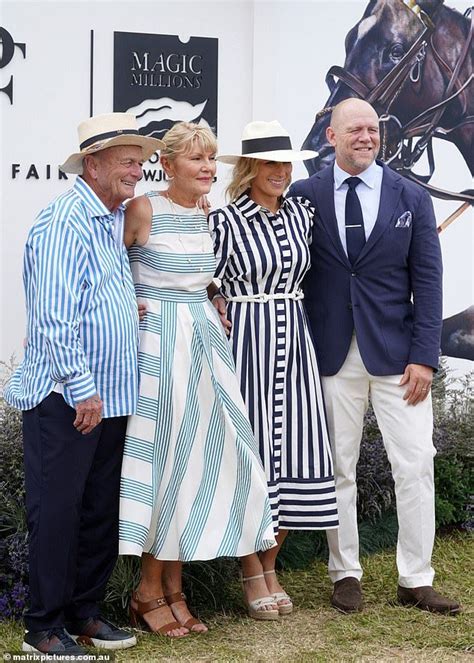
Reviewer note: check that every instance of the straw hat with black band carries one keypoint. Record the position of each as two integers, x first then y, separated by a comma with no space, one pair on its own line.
109,130
268,141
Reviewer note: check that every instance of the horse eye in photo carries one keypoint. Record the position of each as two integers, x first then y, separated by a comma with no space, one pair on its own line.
396,52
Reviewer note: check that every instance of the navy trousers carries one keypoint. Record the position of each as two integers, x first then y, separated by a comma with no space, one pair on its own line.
72,501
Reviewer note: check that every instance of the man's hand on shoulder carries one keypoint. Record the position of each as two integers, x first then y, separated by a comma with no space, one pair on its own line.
88,414
418,379
204,204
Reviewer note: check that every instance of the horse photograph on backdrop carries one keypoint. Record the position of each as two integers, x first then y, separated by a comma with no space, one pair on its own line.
413,63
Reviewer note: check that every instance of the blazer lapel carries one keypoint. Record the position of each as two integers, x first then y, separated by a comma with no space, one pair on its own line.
389,196
324,186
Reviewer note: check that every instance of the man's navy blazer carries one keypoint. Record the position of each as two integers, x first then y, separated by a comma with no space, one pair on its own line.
391,296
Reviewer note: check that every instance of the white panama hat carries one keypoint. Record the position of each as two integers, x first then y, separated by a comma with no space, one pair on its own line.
269,141
109,130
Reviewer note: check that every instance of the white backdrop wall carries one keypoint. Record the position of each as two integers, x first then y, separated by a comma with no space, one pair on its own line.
273,57
51,96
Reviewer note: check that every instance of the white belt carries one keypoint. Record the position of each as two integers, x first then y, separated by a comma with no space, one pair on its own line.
262,298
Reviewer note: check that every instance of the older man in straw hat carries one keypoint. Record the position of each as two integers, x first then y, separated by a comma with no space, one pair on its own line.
76,385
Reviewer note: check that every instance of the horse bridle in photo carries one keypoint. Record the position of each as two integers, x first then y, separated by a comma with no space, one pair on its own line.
425,126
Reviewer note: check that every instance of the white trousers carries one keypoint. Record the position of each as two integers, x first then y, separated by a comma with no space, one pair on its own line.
407,435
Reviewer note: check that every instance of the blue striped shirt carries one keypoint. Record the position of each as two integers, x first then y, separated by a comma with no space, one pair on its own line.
82,316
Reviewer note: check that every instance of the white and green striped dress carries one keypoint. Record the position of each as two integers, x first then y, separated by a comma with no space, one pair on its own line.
193,487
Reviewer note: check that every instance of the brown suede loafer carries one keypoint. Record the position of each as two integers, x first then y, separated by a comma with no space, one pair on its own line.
426,598
347,595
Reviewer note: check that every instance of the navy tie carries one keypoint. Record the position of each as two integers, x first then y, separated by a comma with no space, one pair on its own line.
354,221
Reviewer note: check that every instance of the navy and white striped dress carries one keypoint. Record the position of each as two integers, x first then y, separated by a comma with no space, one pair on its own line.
193,486
259,252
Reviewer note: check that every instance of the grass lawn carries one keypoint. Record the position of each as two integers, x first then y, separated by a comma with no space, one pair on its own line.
384,631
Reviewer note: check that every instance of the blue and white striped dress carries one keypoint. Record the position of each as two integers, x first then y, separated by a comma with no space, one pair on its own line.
261,252
193,486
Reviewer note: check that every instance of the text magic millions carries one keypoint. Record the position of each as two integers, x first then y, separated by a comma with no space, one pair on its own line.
173,70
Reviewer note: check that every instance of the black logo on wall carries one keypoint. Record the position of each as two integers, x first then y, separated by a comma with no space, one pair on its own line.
7,52
162,80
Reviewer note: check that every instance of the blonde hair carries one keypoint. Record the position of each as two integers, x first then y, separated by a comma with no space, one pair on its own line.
245,170
243,174
182,137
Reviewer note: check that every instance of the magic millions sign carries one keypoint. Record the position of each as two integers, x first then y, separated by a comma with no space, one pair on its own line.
162,80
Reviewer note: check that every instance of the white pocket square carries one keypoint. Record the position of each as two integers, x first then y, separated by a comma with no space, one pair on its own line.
404,221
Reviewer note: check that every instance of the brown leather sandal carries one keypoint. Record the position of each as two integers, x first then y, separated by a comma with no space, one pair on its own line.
192,621
140,608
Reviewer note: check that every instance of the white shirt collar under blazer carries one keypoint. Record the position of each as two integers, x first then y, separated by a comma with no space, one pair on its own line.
369,176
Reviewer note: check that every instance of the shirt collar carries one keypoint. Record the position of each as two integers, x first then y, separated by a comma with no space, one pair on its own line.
368,176
91,200
249,208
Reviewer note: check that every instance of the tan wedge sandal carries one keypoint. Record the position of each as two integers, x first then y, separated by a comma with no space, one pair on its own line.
283,601
192,621
257,608
138,609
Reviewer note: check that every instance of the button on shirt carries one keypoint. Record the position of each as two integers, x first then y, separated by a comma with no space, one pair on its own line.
82,332
368,191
